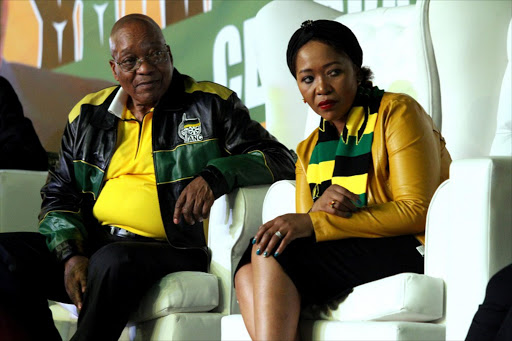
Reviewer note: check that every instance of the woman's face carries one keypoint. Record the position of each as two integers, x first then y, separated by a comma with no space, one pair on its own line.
327,81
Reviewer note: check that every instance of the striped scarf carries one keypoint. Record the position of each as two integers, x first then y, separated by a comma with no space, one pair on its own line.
345,160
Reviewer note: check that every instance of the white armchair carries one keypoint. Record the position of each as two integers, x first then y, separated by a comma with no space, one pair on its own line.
452,59
396,45
181,306
472,208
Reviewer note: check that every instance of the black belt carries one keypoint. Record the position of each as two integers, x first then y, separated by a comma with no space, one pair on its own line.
119,232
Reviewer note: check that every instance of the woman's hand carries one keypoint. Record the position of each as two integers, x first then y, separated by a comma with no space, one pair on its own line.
280,231
75,279
337,200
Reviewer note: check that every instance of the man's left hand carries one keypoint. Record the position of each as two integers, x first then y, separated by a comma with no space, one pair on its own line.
194,202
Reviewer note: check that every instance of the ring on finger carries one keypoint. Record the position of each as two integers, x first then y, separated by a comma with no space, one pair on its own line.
332,203
279,235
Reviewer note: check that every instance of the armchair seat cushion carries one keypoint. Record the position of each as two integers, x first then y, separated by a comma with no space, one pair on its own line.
179,292
233,329
403,297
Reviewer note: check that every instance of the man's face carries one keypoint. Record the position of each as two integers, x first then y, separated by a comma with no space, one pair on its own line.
139,43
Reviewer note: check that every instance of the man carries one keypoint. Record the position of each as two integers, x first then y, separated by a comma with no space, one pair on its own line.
20,147
140,167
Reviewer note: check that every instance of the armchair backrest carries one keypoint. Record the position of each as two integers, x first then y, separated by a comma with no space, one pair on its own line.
396,46
470,45
284,109
469,220
502,143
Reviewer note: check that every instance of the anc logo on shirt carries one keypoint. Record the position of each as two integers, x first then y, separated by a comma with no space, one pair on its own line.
190,129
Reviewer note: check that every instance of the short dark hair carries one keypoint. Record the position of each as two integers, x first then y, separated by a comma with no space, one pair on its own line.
365,77
330,32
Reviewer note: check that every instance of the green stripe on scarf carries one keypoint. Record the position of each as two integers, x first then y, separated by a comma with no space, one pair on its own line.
354,142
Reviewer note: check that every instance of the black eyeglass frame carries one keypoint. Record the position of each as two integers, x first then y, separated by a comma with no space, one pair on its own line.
160,55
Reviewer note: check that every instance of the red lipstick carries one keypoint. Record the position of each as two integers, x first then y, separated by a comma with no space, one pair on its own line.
325,105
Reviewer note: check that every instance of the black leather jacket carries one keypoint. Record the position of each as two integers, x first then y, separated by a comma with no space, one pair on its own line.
199,128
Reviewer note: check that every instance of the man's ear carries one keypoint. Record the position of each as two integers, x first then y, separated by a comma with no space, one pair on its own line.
113,67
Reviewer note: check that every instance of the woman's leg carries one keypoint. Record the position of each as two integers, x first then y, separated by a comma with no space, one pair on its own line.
321,272
244,294
269,301
276,301
271,312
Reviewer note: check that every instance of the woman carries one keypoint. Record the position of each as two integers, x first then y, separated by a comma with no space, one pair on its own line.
365,178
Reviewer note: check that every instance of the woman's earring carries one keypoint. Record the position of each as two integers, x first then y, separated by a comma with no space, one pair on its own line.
303,100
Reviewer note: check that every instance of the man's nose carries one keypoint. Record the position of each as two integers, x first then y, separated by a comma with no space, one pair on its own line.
144,66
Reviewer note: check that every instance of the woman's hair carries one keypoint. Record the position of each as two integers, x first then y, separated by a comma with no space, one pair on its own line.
365,77
334,34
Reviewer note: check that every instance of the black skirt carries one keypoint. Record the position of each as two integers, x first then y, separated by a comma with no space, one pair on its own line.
326,271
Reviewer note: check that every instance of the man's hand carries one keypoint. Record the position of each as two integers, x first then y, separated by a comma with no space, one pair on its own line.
194,202
337,200
75,279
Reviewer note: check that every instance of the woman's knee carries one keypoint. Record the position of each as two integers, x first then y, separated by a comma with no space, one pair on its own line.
243,282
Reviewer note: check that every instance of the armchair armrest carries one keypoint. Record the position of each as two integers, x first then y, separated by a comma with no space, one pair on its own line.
472,211
20,199
280,199
234,220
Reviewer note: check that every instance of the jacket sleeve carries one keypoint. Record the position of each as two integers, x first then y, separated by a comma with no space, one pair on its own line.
60,219
410,152
255,156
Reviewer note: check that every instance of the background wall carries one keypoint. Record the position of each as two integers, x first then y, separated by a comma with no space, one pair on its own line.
56,51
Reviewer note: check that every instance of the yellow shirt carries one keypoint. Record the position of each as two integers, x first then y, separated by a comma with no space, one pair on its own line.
129,198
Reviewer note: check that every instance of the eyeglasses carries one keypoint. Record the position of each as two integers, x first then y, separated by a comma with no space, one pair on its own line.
132,64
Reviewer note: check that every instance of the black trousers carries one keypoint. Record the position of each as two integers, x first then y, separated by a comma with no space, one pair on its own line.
120,272
493,320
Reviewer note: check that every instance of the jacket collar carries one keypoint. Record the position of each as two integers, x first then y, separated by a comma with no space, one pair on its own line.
117,105
175,98
100,119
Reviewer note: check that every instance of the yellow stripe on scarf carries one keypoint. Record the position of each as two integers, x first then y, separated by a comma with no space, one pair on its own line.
318,173
356,120
355,183
323,172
